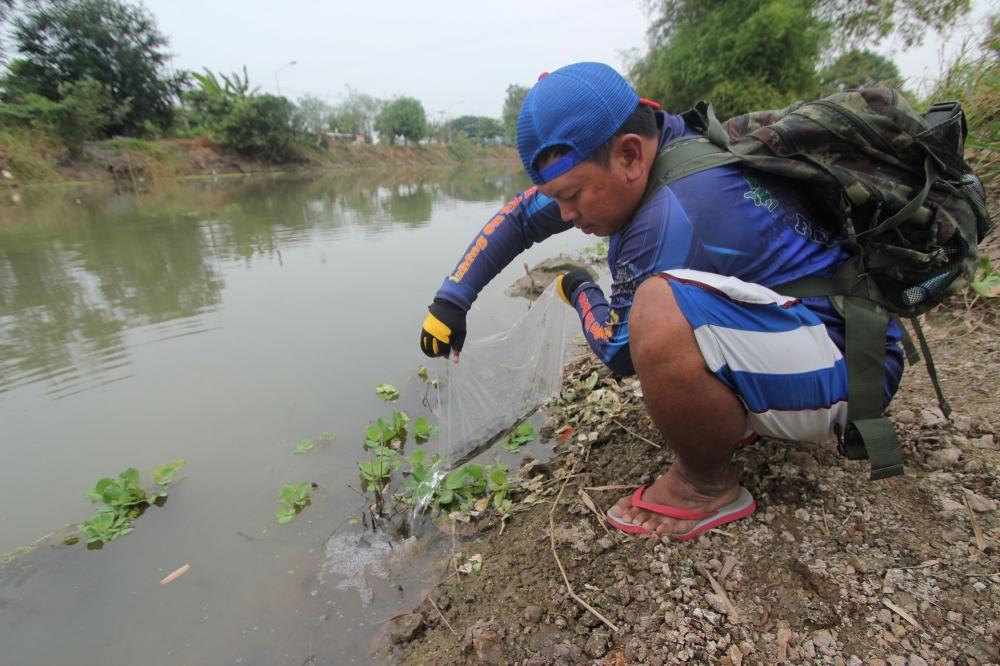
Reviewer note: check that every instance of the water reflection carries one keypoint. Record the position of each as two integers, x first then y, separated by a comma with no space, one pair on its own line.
80,269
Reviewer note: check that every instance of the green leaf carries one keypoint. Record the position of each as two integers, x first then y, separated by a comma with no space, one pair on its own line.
284,514
164,475
304,445
387,392
591,381
422,429
522,434
988,285
129,478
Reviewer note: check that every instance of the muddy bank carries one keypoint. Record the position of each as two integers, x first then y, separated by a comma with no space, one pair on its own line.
133,161
832,568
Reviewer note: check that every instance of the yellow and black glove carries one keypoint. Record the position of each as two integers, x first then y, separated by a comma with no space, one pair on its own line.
566,283
443,330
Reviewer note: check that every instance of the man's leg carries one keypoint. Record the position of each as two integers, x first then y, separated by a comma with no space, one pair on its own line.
700,418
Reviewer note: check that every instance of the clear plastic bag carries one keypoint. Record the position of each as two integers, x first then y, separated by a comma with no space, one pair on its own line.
503,377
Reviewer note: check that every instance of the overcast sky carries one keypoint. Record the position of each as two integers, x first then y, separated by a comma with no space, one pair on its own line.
456,57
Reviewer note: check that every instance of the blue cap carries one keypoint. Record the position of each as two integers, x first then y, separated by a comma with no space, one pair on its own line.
580,106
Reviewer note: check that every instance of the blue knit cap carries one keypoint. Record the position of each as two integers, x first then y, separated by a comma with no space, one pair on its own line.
580,106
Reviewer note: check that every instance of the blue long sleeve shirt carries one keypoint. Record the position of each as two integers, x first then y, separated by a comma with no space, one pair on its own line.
727,220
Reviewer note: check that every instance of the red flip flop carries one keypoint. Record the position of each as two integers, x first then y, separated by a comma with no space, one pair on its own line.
741,507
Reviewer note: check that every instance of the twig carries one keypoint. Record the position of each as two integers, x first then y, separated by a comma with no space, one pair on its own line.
617,487
555,554
901,613
826,528
849,516
980,542
446,622
731,610
635,434
727,568
175,574
588,502
947,619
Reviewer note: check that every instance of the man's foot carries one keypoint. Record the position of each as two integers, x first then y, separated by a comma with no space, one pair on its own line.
674,491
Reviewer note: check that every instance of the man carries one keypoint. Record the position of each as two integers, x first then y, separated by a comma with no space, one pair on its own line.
719,355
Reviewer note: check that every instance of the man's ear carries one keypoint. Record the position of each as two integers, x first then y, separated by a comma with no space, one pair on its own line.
630,153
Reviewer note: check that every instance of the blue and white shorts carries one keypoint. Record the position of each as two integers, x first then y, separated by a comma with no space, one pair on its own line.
771,350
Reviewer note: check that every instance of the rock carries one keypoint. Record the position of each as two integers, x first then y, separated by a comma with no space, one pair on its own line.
717,603
406,628
533,614
896,660
944,458
916,660
803,460
597,645
482,641
7,175
984,652
985,442
567,652
905,416
931,417
824,641
979,503
635,651
963,423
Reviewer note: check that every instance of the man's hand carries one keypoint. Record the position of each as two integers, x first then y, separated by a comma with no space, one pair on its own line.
443,332
566,283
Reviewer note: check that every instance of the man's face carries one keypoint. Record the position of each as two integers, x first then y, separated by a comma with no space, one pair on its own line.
594,198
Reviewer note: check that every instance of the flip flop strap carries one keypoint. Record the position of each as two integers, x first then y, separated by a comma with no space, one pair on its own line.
664,510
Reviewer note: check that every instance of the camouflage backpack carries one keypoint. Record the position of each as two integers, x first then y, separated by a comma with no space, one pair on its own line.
895,187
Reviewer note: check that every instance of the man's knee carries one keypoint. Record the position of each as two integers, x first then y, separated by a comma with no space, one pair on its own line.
656,324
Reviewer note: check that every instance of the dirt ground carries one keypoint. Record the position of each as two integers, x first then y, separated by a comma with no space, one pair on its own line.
831,569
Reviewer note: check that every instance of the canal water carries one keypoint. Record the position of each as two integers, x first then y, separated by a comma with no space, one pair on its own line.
221,321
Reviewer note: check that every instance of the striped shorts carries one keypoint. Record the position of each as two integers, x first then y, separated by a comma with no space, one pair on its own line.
771,350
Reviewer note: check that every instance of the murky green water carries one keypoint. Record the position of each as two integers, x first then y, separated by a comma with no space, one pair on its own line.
220,321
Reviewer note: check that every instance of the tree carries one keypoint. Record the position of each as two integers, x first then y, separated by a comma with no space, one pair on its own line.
740,54
403,116
109,41
209,103
857,69
314,116
512,108
5,8
851,21
356,114
475,127
261,126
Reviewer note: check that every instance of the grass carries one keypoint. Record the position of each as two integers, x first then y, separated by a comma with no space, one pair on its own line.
974,80
29,155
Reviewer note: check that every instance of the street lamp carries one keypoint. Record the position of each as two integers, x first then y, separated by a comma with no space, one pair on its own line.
286,65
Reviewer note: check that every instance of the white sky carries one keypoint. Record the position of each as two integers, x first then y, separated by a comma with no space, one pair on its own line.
456,56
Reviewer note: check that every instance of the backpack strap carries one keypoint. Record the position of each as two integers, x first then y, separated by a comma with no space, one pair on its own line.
687,155
868,434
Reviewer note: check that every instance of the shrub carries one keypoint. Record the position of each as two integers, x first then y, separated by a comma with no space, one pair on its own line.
261,126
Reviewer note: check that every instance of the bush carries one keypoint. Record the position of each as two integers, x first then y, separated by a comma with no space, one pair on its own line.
261,126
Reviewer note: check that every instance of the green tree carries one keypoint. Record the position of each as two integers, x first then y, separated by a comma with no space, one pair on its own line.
512,108
207,104
403,116
857,69
109,41
740,54
477,128
356,114
314,116
764,53
261,126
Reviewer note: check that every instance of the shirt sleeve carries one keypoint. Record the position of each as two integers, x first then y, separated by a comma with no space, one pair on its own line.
659,238
526,219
